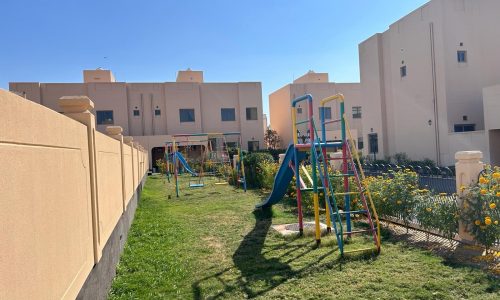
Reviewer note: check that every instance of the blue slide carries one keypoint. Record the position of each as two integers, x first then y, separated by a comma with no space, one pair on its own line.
185,164
282,179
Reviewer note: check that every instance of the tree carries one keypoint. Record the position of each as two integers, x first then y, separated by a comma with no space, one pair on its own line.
272,138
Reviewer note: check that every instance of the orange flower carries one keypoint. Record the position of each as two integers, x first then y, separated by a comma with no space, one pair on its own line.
493,205
483,192
428,209
477,222
496,175
483,180
498,194
487,221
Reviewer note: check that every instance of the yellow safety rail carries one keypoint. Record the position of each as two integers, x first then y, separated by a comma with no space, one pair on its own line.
307,174
356,156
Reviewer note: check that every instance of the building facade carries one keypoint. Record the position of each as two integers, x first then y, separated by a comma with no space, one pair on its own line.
423,82
319,86
152,112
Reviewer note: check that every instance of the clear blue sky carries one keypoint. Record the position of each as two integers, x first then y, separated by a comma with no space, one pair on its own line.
272,41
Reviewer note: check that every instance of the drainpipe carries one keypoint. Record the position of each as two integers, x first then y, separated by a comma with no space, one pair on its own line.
434,94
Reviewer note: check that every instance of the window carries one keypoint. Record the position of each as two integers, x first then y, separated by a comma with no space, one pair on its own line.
402,71
104,117
253,146
136,113
465,127
252,113
328,112
186,115
360,143
231,145
299,110
157,112
228,114
373,142
462,56
356,112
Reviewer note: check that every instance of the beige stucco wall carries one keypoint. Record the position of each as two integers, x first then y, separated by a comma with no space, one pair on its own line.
491,108
122,98
280,107
48,239
403,107
109,184
46,236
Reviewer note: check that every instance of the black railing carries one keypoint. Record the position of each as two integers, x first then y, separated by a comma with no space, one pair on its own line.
438,180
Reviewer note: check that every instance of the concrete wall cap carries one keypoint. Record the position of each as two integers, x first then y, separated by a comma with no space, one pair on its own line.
468,155
75,104
128,139
114,130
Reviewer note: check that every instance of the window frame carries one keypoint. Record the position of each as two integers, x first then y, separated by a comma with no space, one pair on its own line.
157,112
253,148
358,113
187,110
101,121
227,109
469,126
462,56
136,112
328,112
249,115
403,71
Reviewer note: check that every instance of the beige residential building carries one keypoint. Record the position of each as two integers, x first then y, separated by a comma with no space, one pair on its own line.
152,112
426,82
319,86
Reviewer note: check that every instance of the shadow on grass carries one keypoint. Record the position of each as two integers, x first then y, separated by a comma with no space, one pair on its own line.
259,274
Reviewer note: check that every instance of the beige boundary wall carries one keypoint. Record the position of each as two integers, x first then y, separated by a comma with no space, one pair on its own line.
63,188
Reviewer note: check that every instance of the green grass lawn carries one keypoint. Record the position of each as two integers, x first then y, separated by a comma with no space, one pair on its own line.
209,243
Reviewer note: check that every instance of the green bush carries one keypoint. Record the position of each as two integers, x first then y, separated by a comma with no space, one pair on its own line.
395,197
253,168
481,210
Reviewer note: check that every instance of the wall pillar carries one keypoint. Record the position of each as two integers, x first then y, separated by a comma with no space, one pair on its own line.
78,108
281,158
129,141
116,133
468,166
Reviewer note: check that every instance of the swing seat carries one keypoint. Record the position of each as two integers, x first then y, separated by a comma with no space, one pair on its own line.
195,185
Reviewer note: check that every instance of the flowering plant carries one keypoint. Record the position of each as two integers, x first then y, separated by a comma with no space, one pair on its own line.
481,212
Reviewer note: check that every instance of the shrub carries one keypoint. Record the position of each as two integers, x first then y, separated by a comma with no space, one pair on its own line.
395,197
481,212
438,213
253,168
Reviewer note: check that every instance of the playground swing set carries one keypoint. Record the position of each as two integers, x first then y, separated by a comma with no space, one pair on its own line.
319,149
213,160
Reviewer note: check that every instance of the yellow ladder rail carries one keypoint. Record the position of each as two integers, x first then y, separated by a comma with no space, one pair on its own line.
356,156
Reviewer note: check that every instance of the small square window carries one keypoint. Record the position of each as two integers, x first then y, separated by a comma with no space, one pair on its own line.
186,115
328,112
157,112
299,110
462,56
252,113
465,118
228,114
104,117
402,71
136,113
356,112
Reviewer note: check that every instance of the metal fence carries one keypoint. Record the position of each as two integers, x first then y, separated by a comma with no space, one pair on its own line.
438,180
